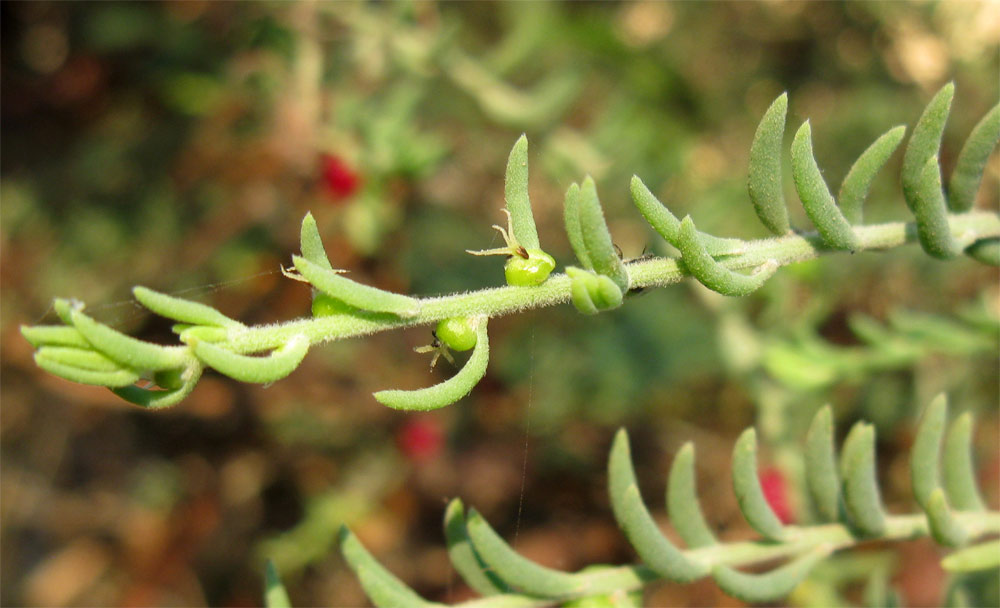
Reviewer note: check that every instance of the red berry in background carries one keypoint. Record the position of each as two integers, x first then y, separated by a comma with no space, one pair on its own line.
420,440
340,180
775,487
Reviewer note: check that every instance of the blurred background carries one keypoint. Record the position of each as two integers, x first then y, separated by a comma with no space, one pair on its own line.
177,145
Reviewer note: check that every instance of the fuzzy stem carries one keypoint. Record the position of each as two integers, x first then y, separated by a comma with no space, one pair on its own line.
657,272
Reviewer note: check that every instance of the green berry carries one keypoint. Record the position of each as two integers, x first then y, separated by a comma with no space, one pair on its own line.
530,271
457,333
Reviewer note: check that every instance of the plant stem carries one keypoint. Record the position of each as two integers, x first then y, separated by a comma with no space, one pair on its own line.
656,272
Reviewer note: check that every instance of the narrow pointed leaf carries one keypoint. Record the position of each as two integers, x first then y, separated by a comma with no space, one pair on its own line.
968,173
857,468
711,273
126,350
516,194
878,593
120,377
54,335
187,311
770,586
682,501
925,457
749,494
311,243
449,391
275,595
64,309
353,293
931,214
463,557
597,239
655,550
986,251
571,216
382,587
945,527
959,471
925,142
815,195
764,181
971,559
668,226
154,399
83,358
821,466
261,370
518,572
854,189
592,293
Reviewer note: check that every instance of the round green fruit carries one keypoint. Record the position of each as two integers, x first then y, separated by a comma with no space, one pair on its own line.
457,333
530,271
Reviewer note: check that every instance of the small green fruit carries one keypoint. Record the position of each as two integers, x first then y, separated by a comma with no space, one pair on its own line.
457,333
530,271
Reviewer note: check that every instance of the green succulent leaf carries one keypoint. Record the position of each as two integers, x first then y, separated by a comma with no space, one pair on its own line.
463,557
710,272
452,389
260,370
574,230
925,143
668,226
118,377
749,494
186,311
128,351
854,188
592,293
968,172
634,519
520,573
815,195
958,469
925,458
769,586
862,500
516,195
986,251
355,294
682,501
311,244
971,559
597,239
764,181
54,335
821,466
945,527
931,213
380,585
154,399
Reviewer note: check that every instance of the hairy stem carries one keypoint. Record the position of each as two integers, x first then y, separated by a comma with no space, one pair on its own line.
656,272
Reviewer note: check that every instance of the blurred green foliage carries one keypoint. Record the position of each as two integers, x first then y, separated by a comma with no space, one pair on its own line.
178,145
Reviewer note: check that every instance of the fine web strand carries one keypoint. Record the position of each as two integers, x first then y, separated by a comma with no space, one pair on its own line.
527,435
